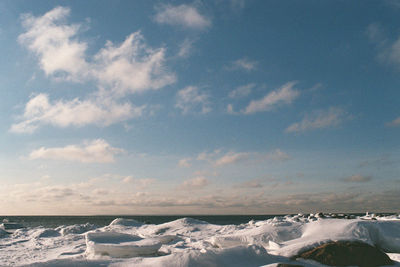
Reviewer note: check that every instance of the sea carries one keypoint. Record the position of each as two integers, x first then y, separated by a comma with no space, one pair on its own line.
103,220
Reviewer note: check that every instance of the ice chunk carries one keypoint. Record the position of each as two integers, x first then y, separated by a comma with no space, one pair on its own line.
11,227
120,245
45,233
126,222
76,228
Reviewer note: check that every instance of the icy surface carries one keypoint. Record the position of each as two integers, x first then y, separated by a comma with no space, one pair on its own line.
190,242
119,245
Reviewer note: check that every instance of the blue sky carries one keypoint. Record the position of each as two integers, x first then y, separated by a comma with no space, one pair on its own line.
222,107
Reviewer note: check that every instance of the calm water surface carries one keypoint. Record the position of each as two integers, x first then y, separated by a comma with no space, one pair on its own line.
55,221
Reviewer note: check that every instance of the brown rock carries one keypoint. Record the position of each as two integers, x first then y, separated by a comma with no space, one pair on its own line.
347,253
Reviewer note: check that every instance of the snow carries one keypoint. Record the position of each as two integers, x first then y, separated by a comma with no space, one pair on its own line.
10,227
120,245
190,242
126,222
76,228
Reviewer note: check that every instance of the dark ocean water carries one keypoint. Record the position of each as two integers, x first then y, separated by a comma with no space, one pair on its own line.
55,221
103,220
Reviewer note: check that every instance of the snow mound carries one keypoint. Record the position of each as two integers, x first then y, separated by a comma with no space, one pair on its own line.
76,228
190,221
268,234
383,234
11,227
126,222
46,233
119,245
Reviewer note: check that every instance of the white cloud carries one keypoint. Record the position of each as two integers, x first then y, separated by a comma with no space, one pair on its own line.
93,151
53,193
243,64
117,70
237,4
191,99
395,122
103,112
139,183
218,159
392,53
255,183
185,48
230,110
357,178
388,49
277,155
242,91
392,3
195,183
375,33
132,66
232,157
55,43
100,191
145,182
284,95
183,15
208,156
184,162
320,119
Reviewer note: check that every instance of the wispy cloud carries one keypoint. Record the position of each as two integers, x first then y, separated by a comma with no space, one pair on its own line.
284,95
186,16
139,183
255,183
117,70
376,34
277,155
357,178
195,183
242,91
320,119
185,49
394,123
378,163
243,64
230,109
41,111
232,157
217,158
388,49
92,151
191,99
237,4
208,156
185,162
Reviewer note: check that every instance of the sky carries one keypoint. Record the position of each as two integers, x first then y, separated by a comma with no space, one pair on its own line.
199,107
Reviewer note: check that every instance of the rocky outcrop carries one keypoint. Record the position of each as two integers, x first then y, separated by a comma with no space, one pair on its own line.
347,253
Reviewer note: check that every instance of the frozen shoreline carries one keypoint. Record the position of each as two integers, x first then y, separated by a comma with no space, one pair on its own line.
191,242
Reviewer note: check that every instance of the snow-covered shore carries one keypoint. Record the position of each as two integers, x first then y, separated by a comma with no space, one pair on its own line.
190,242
